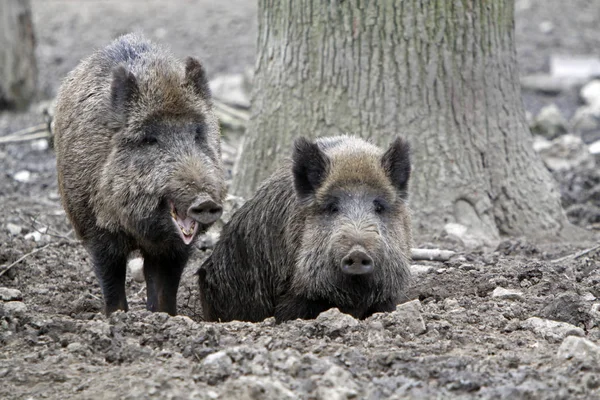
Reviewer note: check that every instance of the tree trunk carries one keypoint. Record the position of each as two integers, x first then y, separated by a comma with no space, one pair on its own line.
18,71
441,73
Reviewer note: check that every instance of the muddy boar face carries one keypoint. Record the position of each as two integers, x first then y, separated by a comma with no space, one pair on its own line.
356,229
164,179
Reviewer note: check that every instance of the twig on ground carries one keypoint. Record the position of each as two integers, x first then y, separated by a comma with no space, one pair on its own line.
577,255
8,267
431,254
57,234
31,129
23,138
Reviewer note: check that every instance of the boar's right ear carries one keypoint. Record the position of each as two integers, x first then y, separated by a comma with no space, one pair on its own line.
396,163
123,89
310,165
196,77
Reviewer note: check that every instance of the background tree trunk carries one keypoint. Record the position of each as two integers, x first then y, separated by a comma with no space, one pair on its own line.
441,73
18,70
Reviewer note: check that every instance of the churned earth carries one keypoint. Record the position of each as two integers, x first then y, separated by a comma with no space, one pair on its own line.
518,321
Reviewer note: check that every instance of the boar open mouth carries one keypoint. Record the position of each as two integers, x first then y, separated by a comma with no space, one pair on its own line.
186,226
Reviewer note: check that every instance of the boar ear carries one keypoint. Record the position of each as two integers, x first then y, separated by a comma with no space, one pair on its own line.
396,163
309,167
195,76
123,89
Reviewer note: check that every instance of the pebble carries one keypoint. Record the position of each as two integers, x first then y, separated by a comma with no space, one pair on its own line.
14,307
509,294
10,294
550,122
411,314
595,148
579,349
23,176
35,236
136,268
13,229
550,330
40,145
335,322
219,364
417,270
586,121
564,153
590,93
574,67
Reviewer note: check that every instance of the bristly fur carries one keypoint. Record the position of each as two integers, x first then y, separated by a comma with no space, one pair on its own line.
280,254
135,133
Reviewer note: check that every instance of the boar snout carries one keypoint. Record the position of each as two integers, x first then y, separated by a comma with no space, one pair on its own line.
357,262
205,210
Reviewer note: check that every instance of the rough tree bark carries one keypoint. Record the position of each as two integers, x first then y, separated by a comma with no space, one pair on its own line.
18,70
441,73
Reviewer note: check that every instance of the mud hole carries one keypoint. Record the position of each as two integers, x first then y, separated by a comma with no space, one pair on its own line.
477,326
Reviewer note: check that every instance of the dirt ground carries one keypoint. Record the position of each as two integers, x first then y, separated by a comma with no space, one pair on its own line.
463,337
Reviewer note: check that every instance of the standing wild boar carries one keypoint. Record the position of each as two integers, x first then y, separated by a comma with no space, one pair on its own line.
139,164
331,228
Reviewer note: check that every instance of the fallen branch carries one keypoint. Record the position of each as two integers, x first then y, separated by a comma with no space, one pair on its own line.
431,254
14,138
31,129
7,268
577,255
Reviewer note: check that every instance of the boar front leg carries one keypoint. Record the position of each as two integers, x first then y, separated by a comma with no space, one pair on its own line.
109,257
162,274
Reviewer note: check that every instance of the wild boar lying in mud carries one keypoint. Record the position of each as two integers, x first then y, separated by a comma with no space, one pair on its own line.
139,164
330,228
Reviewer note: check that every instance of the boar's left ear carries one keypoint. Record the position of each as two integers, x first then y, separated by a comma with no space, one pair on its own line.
310,166
123,89
196,77
396,163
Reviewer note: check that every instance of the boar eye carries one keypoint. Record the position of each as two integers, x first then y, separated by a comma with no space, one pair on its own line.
379,205
149,139
332,207
199,133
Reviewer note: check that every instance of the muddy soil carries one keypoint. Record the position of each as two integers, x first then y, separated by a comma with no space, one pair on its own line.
459,334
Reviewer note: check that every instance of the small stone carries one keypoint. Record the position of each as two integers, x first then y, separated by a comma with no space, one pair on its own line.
550,122
546,27
218,364
10,294
76,347
417,270
13,229
411,315
569,66
40,145
590,93
136,269
553,331
588,297
579,349
566,153
35,236
548,84
586,123
508,294
23,176
335,323
14,307
595,148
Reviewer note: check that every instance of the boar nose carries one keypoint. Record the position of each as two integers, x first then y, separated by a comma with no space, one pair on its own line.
357,262
205,211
